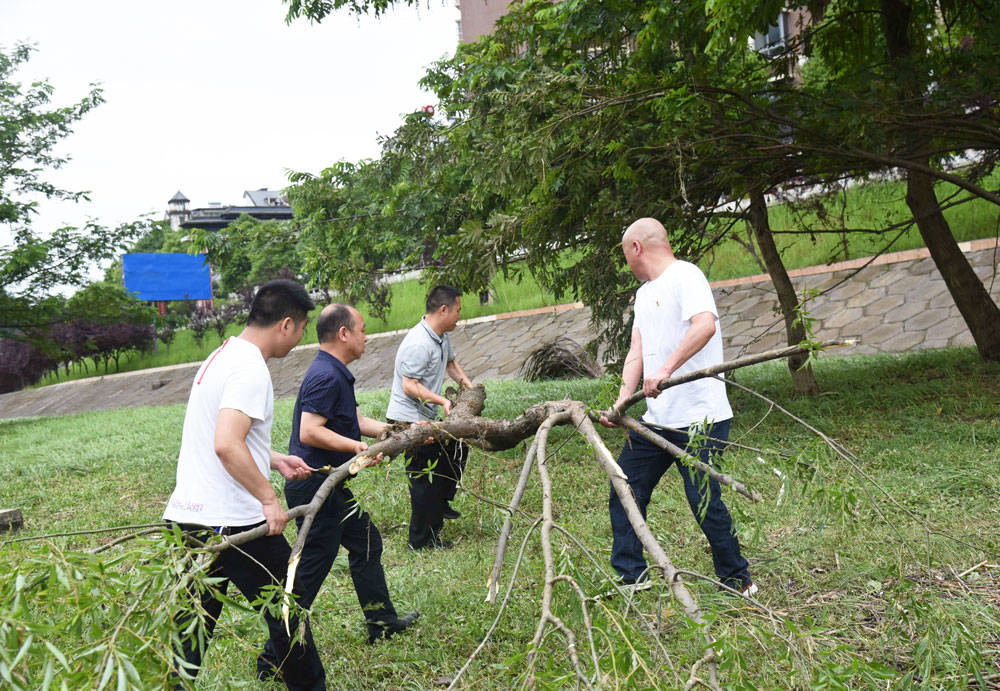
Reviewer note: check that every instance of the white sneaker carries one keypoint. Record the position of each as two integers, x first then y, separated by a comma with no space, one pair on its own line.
626,589
632,588
749,590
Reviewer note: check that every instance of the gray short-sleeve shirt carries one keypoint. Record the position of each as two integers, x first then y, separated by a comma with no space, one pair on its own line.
423,355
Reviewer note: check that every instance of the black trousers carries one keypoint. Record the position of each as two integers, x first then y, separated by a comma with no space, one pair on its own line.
433,470
340,521
251,567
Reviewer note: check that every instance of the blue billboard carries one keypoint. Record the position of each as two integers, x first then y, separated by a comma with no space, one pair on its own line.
167,276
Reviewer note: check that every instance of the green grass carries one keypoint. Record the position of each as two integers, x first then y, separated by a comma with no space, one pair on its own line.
868,586
875,205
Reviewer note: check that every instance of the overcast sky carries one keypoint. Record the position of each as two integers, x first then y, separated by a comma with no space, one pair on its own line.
214,97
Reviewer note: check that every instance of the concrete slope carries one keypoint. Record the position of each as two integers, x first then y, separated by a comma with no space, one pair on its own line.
895,303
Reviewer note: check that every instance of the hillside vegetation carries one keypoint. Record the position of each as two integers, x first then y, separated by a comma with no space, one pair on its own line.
877,205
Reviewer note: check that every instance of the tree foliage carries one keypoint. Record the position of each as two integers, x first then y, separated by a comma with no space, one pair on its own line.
33,264
573,118
29,132
248,252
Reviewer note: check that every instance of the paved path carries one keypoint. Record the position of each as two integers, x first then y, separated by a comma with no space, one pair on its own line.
895,303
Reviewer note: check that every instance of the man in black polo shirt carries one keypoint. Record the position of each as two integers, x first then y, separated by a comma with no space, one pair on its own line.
326,431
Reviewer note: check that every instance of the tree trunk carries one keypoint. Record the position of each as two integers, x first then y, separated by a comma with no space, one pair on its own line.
802,374
980,313
978,309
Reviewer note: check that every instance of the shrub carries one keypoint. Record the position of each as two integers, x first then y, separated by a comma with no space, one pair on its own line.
21,364
562,358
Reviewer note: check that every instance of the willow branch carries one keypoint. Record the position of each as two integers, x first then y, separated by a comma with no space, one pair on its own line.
463,423
619,482
493,585
682,456
547,616
729,366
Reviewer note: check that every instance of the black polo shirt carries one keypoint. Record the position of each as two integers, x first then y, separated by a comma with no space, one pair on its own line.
327,390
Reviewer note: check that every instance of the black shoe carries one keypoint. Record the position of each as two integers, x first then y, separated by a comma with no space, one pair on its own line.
435,544
450,513
266,669
378,630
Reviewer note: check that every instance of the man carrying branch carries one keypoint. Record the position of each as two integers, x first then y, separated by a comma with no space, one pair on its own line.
422,360
223,477
327,426
675,331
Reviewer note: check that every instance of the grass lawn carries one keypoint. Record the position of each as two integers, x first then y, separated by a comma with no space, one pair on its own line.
875,205
860,562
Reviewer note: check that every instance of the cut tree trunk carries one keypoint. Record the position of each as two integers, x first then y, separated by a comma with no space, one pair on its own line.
978,309
802,374
11,520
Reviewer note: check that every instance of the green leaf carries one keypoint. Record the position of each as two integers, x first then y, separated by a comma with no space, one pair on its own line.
57,654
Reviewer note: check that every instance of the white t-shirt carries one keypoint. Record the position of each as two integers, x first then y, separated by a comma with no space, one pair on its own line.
234,376
663,311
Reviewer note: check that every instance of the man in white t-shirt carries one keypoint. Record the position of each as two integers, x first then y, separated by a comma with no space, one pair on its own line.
223,475
675,331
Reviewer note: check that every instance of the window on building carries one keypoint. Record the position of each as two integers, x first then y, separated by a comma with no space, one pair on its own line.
774,41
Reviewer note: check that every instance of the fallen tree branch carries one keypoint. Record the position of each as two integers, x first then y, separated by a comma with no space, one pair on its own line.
677,586
93,531
547,615
681,455
730,365
493,584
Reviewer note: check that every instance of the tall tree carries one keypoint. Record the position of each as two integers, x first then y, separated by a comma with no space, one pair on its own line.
32,264
896,85
574,117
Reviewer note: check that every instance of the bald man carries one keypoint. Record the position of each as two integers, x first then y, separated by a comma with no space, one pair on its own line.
327,426
675,331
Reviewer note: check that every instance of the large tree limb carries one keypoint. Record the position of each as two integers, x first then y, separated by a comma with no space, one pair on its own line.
548,616
730,365
677,586
493,584
682,456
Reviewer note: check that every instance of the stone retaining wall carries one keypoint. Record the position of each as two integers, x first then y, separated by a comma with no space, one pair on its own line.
894,303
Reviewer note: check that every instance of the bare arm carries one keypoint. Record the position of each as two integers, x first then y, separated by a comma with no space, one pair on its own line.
456,372
631,372
369,427
313,432
698,334
414,389
231,431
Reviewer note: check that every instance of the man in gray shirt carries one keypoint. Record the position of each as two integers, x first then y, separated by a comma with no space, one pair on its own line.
422,360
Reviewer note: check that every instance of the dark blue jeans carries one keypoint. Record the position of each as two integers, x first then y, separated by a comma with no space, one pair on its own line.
645,464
